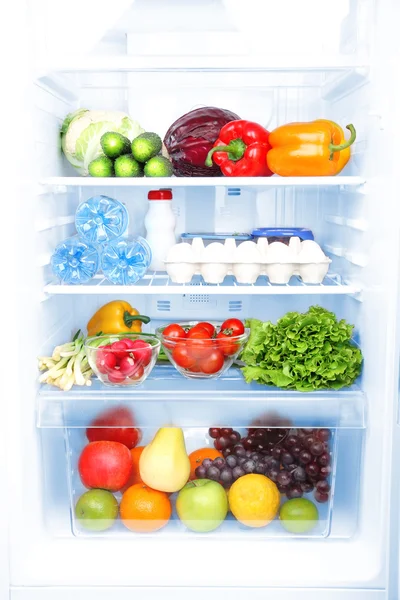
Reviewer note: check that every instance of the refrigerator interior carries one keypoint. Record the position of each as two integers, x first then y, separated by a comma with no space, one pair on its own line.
126,71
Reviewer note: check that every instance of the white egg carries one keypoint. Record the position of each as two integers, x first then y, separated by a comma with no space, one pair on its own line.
182,252
247,252
277,252
215,253
310,252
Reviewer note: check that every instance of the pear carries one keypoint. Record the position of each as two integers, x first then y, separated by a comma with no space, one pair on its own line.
164,464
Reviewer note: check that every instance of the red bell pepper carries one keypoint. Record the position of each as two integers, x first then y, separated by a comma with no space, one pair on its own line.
241,150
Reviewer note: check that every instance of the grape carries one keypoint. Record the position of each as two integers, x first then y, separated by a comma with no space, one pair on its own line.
260,468
213,473
299,474
291,441
249,466
218,462
301,435
269,446
226,431
284,478
312,469
324,459
261,436
249,443
316,448
292,467
234,437
251,431
221,443
294,491
324,435
282,488
226,476
306,430
207,462
255,456
214,432
231,461
323,486
241,460
239,450
277,451
296,451
320,496
237,472
286,458
307,486
326,447
273,474
307,441
305,457
227,451
325,472
200,472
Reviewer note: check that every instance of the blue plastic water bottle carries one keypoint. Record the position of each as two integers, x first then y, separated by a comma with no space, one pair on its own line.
125,261
74,261
101,219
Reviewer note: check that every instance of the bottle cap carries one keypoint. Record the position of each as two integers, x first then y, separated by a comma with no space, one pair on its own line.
160,195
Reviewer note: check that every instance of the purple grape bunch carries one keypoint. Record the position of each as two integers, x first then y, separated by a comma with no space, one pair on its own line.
297,460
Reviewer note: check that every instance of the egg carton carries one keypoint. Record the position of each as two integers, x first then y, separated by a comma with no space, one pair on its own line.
247,261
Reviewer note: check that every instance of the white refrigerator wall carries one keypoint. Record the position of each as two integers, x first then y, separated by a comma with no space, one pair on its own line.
352,224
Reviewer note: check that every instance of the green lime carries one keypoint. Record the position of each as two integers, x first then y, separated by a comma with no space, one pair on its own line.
114,144
159,166
101,167
96,510
127,166
298,515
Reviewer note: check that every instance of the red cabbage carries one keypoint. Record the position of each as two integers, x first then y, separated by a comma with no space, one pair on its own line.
192,136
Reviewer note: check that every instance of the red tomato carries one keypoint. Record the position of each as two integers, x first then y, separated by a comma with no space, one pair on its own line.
115,425
105,465
200,344
207,326
226,344
142,352
175,332
234,326
183,357
213,363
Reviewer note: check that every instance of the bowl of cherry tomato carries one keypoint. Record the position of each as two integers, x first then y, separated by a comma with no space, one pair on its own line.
202,350
122,359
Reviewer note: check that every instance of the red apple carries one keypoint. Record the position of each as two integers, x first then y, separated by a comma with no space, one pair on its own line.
115,425
105,465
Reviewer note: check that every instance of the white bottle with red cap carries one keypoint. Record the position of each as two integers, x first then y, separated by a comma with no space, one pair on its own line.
160,227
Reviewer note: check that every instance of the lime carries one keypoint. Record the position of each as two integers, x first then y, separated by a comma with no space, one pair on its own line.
127,166
101,167
145,146
159,166
114,144
96,510
298,515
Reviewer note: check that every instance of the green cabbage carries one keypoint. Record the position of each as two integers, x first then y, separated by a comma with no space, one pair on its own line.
305,352
81,132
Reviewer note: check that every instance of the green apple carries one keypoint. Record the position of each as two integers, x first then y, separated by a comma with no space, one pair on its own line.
97,510
298,515
202,505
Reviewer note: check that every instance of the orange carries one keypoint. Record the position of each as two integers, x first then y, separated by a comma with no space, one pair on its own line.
135,477
143,509
197,457
254,500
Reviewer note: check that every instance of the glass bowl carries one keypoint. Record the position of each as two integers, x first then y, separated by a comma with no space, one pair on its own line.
202,359
117,365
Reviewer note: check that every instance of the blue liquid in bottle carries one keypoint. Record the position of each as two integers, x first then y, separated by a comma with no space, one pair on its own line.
101,219
125,261
75,261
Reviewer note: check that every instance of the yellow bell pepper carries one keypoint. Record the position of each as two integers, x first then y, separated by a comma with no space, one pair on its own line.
117,316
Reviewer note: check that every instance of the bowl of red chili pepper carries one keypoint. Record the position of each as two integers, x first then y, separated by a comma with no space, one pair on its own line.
202,350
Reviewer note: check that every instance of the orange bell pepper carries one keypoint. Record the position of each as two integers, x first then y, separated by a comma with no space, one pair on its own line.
309,149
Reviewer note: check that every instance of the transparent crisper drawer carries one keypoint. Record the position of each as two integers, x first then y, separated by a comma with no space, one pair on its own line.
167,402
